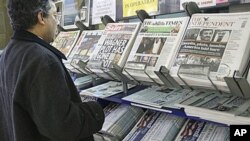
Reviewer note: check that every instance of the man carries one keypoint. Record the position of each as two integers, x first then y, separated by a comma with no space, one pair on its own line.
38,99
206,34
220,36
145,46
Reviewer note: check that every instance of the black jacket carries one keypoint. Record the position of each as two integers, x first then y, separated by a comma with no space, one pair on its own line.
38,99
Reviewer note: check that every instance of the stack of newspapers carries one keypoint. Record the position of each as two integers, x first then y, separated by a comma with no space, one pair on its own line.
194,130
84,48
65,42
156,45
83,82
215,46
227,108
158,97
105,90
119,120
156,126
113,47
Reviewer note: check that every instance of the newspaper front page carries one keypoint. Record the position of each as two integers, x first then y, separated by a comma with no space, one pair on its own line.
84,48
114,45
65,41
218,41
155,46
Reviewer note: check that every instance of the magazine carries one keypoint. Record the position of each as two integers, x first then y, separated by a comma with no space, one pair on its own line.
113,47
214,46
155,46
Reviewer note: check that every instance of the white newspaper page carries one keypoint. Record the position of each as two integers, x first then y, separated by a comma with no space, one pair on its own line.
156,45
218,41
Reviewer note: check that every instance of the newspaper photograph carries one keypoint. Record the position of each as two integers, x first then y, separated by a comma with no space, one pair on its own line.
85,46
65,41
190,131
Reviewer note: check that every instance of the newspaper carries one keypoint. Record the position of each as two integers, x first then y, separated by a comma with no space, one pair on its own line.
166,127
120,119
155,46
84,47
105,90
158,97
122,127
114,45
65,41
214,132
227,108
142,127
218,41
201,131
190,131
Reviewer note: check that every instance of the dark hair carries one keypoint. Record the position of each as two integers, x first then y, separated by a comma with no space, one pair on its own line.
23,13
203,30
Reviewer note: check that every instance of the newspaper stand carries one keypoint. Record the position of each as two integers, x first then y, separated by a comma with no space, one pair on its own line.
238,85
191,8
96,64
203,71
107,19
114,72
142,69
81,26
142,15
166,78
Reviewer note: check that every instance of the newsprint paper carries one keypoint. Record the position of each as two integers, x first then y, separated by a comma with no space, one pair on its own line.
113,46
155,46
214,45
194,130
84,48
229,109
65,41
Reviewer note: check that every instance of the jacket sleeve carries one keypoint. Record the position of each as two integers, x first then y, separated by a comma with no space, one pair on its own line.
52,110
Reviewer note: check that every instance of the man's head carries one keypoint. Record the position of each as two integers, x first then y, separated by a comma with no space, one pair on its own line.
36,16
206,34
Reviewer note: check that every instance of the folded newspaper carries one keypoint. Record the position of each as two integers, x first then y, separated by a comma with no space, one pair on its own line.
227,108
156,126
214,46
156,45
201,131
105,90
84,49
119,120
113,47
158,97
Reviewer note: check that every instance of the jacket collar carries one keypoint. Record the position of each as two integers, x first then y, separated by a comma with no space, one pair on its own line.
28,36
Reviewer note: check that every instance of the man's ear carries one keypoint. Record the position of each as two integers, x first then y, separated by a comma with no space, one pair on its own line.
40,17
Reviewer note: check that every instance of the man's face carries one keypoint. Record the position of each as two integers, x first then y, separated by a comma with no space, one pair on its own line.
206,35
51,24
221,33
